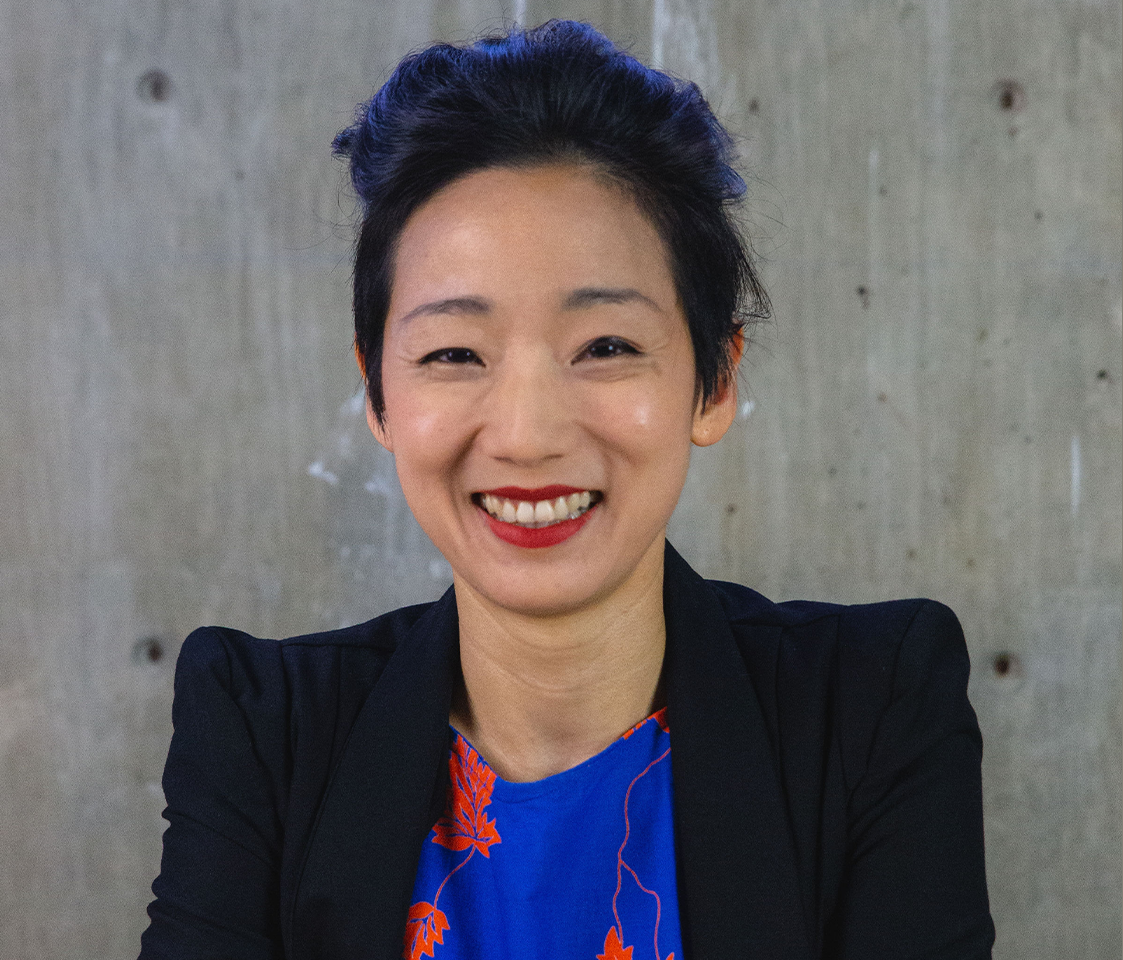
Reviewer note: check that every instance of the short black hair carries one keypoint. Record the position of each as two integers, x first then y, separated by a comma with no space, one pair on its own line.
560,92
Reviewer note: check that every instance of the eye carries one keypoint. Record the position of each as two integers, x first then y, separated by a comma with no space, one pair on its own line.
604,347
452,355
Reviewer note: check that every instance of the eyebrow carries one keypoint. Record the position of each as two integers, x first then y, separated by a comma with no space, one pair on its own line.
591,296
451,305
580,299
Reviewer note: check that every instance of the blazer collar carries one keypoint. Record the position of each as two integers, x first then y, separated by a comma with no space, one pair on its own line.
739,893
738,889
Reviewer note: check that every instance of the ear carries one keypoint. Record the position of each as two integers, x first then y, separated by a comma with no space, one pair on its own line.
381,434
712,420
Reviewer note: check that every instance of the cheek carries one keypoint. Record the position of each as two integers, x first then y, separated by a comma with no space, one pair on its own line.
648,424
425,459
426,435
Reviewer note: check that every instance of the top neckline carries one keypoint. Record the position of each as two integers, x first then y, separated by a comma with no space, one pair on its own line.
513,791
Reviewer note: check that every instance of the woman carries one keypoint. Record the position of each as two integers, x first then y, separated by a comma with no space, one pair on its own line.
549,301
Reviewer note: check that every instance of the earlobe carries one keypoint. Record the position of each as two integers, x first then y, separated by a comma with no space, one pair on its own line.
712,420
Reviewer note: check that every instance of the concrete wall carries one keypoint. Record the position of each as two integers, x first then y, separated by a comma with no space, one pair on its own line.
936,409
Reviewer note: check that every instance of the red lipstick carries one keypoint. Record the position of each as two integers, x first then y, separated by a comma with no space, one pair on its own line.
533,496
532,538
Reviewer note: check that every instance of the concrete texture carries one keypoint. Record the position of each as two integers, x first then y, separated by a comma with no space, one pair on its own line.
936,191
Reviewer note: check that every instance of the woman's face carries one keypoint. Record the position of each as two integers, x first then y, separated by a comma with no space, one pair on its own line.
539,385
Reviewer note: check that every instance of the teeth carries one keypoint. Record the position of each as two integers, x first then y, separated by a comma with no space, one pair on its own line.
539,514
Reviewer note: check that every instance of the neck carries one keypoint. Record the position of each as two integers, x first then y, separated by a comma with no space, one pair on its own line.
540,695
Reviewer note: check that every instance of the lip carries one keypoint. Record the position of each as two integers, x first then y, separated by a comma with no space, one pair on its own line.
537,537
551,492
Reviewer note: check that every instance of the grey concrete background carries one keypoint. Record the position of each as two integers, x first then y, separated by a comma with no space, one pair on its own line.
936,191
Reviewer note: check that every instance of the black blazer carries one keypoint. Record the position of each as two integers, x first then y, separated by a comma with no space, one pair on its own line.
825,764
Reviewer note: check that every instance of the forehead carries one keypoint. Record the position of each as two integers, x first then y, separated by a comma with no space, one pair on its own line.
549,226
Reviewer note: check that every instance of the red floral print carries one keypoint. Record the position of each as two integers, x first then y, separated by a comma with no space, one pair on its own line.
463,826
659,716
613,948
426,926
464,823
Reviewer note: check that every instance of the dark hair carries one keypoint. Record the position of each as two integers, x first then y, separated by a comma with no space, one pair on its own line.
559,92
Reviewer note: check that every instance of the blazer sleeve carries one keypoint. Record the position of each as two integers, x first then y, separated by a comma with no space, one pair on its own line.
916,884
217,893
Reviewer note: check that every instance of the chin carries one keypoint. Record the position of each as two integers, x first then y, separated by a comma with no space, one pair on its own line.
536,596
557,589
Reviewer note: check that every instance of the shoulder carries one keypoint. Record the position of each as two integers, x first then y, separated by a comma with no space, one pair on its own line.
234,656
892,673
871,635
276,687
280,706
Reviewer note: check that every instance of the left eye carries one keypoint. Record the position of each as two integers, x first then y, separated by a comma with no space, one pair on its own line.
605,347
452,355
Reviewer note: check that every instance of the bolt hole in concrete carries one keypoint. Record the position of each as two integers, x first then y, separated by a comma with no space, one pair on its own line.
148,650
155,86
1007,666
1011,95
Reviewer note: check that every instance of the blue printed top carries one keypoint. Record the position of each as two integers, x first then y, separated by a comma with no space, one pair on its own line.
578,865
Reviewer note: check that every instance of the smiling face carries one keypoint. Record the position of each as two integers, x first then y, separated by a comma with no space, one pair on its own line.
540,387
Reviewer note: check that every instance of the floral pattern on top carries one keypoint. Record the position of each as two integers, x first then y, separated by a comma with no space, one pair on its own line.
463,826
464,823
466,827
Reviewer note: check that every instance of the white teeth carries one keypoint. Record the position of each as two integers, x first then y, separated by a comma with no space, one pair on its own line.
539,514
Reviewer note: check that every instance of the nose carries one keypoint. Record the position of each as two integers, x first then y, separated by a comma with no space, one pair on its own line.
526,417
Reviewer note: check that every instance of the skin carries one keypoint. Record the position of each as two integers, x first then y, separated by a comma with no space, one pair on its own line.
497,373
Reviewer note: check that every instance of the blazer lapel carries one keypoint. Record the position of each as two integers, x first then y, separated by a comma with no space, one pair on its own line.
739,894
353,895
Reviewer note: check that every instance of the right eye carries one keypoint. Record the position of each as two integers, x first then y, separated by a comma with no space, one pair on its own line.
452,355
604,348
